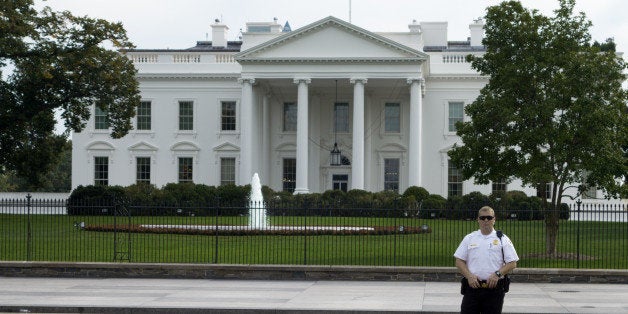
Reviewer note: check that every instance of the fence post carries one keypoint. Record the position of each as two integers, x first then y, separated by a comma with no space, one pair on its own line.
28,227
217,208
578,203
304,232
121,210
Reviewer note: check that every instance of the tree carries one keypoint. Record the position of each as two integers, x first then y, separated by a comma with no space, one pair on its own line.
57,61
59,179
553,110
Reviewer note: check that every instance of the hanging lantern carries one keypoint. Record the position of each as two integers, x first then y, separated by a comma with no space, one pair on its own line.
335,156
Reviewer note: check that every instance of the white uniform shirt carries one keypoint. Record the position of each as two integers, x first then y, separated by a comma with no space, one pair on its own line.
483,253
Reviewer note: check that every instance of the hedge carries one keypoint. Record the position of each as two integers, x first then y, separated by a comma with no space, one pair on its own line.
200,199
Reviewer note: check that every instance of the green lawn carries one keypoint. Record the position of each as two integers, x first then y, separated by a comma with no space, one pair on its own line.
55,238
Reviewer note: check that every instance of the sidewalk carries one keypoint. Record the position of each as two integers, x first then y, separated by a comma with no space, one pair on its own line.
112,295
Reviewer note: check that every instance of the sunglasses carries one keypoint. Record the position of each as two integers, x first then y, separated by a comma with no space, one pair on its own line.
489,218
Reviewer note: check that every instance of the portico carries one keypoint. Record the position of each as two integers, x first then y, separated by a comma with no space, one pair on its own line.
302,67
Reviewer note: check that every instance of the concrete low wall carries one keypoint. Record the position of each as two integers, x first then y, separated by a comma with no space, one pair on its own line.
293,272
34,195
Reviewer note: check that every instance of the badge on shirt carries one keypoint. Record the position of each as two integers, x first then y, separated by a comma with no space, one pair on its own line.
495,242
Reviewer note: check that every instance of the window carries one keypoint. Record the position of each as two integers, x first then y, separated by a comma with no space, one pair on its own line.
590,193
144,115
142,170
101,121
548,191
101,170
228,122
185,169
186,116
289,174
227,171
499,186
454,180
340,182
391,174
392,118
289,117
456,114
341,111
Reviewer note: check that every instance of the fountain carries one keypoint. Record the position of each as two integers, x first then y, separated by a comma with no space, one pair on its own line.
257,207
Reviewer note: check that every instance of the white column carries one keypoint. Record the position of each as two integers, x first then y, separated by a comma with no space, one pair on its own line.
302,137
266,138
357,164
415,135
246,131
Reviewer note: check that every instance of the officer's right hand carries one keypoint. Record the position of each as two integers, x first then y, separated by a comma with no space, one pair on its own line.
473,281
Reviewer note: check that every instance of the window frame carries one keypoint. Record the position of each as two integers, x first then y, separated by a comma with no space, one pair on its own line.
223,181
386,175
180,117
139,172
182,172
288,183
102,180
100,114
139,114
548,191
222,117
339,181
335,121
450,183
284,117
386,119
450,125
496,186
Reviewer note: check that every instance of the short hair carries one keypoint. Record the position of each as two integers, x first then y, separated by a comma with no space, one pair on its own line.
487,209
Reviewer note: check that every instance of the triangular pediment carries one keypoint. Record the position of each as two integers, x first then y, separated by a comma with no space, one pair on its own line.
330,39
143,146
226,147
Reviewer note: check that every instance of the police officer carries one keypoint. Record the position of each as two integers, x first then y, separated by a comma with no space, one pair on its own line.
484,257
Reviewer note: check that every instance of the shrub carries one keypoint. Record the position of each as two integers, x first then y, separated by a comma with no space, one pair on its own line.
419,193
94,200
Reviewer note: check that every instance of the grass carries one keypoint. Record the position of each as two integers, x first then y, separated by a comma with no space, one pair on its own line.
56,238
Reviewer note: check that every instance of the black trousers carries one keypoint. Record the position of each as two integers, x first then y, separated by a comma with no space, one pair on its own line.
484,301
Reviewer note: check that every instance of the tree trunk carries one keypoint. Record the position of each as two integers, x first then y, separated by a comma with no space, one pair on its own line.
551,218
551,231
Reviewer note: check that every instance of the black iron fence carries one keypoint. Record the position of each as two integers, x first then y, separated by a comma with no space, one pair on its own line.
589,236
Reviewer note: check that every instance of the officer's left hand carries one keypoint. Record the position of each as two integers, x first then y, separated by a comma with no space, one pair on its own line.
492,281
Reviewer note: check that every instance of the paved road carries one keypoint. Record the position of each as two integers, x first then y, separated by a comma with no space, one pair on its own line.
111,295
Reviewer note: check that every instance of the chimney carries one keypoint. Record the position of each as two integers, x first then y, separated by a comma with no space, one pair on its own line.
219,34
275,27
414,27
434,34
477,32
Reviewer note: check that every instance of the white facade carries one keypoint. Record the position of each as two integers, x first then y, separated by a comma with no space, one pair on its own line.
402,90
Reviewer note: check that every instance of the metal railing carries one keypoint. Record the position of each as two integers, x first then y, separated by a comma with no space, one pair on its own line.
591,236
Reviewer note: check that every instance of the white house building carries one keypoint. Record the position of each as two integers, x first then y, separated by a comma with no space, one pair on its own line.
276,102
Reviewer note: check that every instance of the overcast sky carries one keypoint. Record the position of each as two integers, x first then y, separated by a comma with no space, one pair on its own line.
178,24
